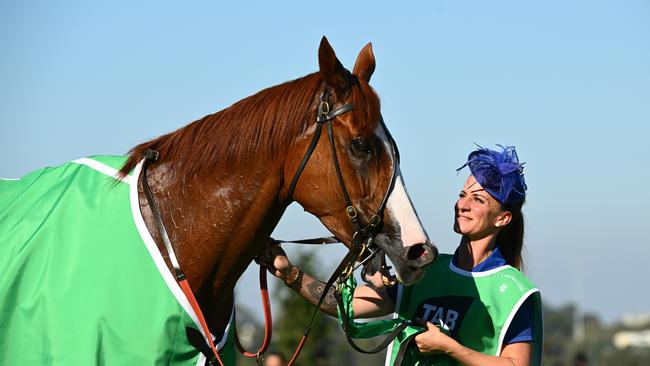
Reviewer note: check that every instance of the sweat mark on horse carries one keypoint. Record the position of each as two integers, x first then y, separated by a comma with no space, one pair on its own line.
223,182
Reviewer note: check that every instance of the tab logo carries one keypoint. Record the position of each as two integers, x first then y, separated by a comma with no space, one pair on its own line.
447,311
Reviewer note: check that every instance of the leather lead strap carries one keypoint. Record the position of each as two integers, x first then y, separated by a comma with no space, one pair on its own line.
404,346
151,156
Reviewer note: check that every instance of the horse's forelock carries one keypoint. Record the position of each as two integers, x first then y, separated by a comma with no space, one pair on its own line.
367,108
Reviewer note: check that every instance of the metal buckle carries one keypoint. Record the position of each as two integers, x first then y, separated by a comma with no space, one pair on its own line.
352,212
151,155
374,221
324,107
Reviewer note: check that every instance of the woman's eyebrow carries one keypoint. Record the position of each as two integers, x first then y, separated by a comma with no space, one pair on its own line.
478,190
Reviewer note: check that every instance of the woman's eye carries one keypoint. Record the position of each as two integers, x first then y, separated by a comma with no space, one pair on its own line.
478,200
361,145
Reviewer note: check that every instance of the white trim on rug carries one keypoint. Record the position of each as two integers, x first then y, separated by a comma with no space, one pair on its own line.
102,168
160,262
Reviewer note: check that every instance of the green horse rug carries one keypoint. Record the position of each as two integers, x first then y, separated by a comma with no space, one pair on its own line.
82,281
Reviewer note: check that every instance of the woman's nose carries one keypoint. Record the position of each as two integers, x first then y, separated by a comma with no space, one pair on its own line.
462,205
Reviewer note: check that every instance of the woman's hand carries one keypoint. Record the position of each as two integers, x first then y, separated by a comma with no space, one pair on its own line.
432,340
275,260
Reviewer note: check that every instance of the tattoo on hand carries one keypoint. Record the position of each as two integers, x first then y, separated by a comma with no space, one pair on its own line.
316,291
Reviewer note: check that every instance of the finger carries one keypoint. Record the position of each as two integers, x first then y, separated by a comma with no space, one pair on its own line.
421,322
431,326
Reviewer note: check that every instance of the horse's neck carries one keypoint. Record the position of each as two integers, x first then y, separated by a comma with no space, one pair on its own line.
217,224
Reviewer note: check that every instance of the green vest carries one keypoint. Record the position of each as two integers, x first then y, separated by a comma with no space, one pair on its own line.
475,308
82,281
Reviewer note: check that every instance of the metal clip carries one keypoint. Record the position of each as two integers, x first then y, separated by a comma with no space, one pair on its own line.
347,272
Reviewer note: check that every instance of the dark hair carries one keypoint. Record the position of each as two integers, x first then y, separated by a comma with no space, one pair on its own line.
510,239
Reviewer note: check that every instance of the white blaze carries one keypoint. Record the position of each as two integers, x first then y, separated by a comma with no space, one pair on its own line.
401,210
399,205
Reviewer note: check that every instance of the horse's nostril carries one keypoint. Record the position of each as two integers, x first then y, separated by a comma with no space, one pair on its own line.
415,251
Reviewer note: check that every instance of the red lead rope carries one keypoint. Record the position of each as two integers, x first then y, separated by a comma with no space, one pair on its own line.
264,291
187,290
266,303
268,322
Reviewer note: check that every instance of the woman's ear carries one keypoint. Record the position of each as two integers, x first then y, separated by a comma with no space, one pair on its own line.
503,219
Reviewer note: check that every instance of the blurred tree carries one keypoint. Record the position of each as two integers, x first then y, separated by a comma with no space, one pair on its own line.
294,316
326,344
250,331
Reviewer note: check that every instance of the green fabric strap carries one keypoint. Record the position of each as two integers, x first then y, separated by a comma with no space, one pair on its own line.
371,328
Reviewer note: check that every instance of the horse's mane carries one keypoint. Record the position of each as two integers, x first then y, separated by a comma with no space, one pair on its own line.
262,124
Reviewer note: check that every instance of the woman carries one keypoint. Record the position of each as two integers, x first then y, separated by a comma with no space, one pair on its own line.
475,306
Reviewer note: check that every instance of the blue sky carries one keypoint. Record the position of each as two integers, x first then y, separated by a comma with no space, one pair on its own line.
567,83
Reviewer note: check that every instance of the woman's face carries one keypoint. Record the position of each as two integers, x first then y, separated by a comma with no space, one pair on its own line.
478,214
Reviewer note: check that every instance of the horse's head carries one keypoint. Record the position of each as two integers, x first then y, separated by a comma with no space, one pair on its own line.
363,172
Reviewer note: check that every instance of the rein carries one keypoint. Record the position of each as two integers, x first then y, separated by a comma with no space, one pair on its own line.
363,237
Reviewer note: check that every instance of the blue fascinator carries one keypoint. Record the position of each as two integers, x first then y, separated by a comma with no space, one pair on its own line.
499,173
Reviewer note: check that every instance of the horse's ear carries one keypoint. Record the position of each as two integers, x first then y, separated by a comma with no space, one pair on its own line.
365,64
330,67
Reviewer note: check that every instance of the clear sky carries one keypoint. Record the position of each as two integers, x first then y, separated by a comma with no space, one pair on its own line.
566,82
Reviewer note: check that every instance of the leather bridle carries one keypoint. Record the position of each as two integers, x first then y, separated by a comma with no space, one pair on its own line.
363,236
362,248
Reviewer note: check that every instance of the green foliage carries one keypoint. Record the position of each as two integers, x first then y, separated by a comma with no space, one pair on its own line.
326,344
295,317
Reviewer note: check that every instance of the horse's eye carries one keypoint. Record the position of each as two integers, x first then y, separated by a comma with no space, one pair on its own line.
361,146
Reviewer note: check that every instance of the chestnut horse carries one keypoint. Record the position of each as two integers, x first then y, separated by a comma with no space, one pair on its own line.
72,277
222,182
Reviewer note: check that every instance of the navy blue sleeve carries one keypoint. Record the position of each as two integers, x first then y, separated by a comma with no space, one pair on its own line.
521,328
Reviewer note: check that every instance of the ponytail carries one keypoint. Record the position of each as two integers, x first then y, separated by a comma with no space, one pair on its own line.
510,239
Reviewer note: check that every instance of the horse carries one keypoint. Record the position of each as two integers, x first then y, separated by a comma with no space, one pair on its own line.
222,183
